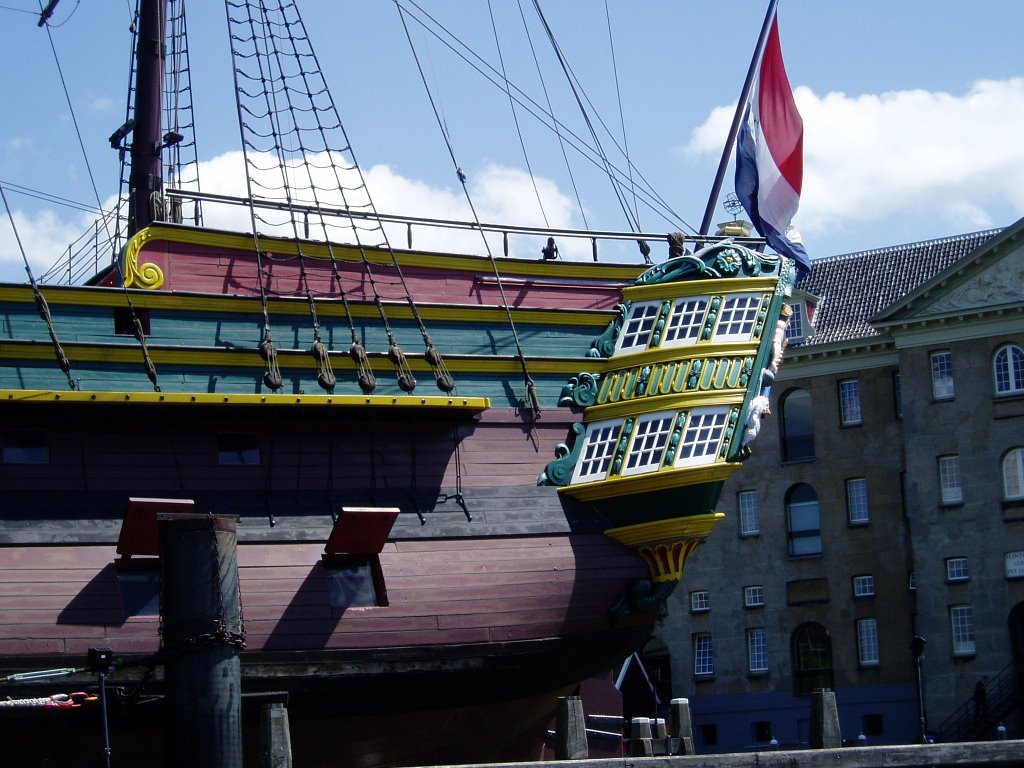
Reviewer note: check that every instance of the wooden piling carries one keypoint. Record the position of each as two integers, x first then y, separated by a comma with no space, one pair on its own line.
571,730
275,737
201,640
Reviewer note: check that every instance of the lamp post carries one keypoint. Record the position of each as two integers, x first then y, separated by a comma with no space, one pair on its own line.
917,650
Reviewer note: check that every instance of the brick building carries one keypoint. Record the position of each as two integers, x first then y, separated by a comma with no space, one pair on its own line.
883,502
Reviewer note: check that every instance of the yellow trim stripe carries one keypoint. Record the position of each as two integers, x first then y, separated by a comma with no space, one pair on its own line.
212,398
688,289
287,358
325,306
664,480
666,530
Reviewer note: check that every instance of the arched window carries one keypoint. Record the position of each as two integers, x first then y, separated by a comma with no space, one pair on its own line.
797,426
1008,367
812,658
1013,474
803,521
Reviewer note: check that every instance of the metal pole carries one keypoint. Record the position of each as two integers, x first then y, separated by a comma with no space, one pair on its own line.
716,188
103,715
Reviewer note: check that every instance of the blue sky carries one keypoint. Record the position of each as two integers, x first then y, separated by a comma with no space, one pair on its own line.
912,110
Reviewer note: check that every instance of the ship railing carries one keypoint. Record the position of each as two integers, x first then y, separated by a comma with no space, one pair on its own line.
423,232
96,248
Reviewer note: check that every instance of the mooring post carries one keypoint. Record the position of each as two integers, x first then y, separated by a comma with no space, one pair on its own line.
201,639
275,737
682,725
641,742
570,730
825,733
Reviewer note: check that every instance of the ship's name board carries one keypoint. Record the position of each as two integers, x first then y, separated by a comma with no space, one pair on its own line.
675,377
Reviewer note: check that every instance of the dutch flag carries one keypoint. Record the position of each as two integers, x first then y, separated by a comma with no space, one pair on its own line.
769,156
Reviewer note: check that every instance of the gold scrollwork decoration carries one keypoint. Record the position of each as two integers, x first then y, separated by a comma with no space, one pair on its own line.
148,275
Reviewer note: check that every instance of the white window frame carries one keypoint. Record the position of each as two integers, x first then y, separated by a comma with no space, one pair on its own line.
700,601
943,387
703,655
957,569
867,643
864,585
748,503
850,414
795,327
635,335
1013,475
961,625
951,490
1008,370
599,445
737,317
857,511
685,321
757,650
753,596
649,440
702,437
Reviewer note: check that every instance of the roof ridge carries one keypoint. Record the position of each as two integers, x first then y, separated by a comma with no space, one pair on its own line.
905,246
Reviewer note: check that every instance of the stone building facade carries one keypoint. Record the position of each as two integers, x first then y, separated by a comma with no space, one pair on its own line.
874,541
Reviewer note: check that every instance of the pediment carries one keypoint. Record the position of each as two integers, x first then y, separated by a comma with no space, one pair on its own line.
991,276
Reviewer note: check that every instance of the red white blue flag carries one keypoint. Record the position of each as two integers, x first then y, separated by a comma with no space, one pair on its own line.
769,156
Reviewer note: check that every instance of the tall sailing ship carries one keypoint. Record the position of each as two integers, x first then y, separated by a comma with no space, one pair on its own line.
463,482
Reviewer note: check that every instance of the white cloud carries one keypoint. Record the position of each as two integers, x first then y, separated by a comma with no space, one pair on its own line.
500,194
903,153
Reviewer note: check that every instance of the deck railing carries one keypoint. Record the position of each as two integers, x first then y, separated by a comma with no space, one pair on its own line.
1004,693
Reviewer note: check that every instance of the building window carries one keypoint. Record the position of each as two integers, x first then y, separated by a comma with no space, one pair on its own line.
961,623
956,569
705,428
649,443
238,450
1013,475
857,501
897,394
761,731
757,650
26,448
867,642
864,585
797,426
739,313
753,597
795,327
1009,370
699,601
812,658
703,655
803,521
849,402
952,491
686,322
942,375
602,438
750,513
709,735
872,725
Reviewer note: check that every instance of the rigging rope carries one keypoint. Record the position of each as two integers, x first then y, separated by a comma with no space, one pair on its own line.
532,401
307,102
515,117
41,305
622,118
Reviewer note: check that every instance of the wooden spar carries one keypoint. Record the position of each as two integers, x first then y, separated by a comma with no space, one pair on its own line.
147,137
201,616
716,188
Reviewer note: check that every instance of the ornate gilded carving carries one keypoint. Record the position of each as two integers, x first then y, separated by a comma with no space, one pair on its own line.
604,345
720,260
581,390
148,275
620,449
559,470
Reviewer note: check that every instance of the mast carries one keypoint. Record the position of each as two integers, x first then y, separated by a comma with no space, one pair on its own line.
147,140
716,188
